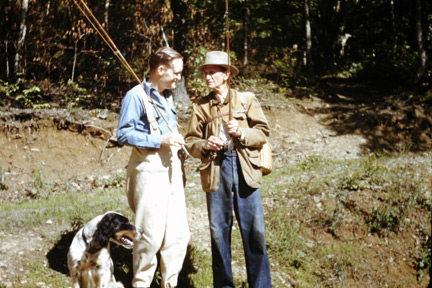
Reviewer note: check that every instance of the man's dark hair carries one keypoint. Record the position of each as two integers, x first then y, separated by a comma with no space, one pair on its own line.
163,55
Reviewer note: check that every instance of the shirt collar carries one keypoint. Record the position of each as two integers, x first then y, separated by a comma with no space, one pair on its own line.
217,100
222,97
154,93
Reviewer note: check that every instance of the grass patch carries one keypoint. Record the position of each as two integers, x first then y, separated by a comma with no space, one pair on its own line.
342,258
328,224
197,270
63,208
40,273
74,210
323,217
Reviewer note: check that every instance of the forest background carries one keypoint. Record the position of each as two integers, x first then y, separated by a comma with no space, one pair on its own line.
51,54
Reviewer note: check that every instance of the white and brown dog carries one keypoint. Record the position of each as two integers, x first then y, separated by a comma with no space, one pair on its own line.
89,260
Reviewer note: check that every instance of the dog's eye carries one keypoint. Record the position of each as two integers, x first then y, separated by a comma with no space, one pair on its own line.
124,226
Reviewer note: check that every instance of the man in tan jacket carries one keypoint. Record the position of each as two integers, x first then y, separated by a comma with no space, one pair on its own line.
230,170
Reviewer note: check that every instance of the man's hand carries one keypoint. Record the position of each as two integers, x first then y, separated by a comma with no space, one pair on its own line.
213,143
233,128
174,139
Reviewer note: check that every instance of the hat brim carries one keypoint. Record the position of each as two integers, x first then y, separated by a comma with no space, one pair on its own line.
233,70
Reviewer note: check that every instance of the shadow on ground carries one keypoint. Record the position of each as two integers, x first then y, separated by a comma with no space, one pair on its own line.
388,122
122,258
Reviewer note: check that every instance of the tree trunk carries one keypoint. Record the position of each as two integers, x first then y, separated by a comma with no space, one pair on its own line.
394,30
164,37
343,44
181,97
245,25
19,68
106,14
48,7
308,52
75,59
7,58
180,13
337,8
419,33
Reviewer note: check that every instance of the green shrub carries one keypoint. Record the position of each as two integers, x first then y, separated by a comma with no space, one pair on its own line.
385,218
424,263
22,94
74,94
196,85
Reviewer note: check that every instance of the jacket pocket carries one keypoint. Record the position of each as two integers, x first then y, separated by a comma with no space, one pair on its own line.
254,157
209,176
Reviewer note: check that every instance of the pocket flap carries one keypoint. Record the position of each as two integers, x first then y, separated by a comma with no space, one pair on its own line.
203,165
239,115
253,153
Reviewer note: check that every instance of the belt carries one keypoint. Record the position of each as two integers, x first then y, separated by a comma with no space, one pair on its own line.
226,152
228,145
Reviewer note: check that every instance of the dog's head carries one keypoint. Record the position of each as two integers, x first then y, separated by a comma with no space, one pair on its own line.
116,228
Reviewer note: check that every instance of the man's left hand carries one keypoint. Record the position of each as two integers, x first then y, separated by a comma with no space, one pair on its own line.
233,128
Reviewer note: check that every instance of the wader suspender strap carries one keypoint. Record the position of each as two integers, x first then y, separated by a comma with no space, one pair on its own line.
154,127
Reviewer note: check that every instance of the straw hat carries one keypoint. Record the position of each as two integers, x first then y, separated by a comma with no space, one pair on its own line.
218,58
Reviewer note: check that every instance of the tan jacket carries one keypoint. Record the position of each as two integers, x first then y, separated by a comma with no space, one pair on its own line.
247,111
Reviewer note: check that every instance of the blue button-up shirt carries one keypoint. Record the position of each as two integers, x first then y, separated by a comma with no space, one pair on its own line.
134,128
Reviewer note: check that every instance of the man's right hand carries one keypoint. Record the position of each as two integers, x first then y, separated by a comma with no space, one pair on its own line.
213,143
174,139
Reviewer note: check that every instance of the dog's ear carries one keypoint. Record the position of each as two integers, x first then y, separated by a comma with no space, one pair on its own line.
108,226
105,229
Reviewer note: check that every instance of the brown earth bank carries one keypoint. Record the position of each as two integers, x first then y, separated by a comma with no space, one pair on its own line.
70,149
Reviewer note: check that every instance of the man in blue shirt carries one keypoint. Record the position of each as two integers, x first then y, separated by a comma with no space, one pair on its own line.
154,174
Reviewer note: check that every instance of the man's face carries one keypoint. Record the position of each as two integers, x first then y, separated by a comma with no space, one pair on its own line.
215,76
171,74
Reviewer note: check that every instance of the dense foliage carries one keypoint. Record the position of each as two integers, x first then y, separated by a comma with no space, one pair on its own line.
50,45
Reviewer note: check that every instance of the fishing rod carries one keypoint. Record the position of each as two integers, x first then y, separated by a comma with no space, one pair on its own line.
229,61
107,39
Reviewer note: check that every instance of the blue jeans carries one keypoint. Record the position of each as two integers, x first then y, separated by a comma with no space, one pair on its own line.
233,191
